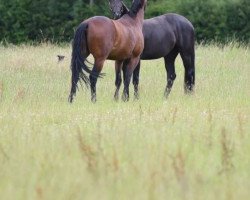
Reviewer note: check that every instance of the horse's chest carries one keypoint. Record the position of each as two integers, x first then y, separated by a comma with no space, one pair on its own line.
122,49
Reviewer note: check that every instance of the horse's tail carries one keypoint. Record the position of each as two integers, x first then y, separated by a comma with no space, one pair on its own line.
79,56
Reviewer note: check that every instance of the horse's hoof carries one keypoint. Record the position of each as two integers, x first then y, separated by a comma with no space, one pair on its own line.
189,90
93,99
166,93
70,99
166,96
125,98
136,97
116,98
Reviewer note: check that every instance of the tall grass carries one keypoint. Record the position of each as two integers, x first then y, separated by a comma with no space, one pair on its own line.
186,147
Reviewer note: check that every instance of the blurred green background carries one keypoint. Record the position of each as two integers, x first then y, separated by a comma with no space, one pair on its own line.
31,21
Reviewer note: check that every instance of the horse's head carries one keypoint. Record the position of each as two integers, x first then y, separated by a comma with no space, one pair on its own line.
137,5
117,8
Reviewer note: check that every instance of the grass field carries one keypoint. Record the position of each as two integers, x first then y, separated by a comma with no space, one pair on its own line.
186,147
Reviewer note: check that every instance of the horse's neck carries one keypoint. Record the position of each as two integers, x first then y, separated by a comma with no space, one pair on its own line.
140,16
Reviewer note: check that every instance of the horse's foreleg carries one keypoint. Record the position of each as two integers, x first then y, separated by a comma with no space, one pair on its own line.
136,74
128,71
118,79
93,77
189,79
170,68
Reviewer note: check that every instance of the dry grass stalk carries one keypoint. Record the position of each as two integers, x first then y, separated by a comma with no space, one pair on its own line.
100,150
88,153
178,165
135,169
115,161
140,112
99,136
20,94
112,164
152,185
227,153
39,193
3,152
210,120
1,90
208,136
174,115
240,120
210,116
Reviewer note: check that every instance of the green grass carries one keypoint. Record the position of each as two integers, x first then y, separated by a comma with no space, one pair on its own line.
186,147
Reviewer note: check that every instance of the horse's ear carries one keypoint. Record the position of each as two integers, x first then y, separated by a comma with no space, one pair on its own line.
125,8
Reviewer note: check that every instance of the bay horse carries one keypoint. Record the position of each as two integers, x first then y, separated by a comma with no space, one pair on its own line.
165,36
120,40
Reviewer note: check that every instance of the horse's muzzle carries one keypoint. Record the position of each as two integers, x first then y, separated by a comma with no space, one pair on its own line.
116,15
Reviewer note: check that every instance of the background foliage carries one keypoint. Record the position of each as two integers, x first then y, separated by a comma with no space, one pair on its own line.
43,20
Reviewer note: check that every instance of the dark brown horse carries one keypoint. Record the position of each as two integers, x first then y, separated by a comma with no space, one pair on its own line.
165,36
104,38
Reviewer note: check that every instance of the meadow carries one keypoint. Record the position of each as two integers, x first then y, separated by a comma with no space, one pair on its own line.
186,147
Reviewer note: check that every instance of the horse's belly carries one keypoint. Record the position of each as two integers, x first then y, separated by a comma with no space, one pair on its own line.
153,54
150,56
122,51
155,50
119,55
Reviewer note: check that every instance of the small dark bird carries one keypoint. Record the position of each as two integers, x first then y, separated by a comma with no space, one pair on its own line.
60,58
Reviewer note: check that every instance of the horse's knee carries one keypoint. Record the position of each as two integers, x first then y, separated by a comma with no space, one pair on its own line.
171,78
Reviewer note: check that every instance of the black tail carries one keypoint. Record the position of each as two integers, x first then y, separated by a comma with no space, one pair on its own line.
79,55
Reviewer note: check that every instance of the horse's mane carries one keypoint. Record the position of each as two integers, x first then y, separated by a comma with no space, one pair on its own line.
136,6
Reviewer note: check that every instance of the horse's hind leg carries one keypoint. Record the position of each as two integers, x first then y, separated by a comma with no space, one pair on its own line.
118,78
188,62
127,74
136,74
93,77
170,68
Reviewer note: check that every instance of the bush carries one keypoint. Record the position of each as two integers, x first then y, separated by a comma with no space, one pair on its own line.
220,20
42,20
238,20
